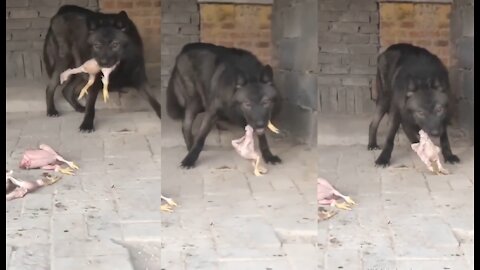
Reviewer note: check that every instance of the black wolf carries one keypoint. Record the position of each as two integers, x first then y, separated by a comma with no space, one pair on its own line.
413,87
76,35
227,84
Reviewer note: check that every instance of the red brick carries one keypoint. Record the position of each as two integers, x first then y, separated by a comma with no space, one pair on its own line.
407,24
143,3
445,33
156,21
444,25
244,43
243,26
145,21
426,25
108,5
227,43
424,43
415,34
205,25
124,4
441,43
265,26
386,42
228,26
387,24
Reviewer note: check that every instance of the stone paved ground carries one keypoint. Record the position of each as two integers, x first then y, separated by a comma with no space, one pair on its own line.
107,216
114,195
231,219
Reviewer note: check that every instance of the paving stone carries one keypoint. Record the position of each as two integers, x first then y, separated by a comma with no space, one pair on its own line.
95,262
31,257
432,264
87,248
301,256
69,227
229,219
145,231
342,258
280,264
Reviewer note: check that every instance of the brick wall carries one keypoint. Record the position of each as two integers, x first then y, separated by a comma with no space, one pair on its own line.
146,16
180,22
463,69
294,37
422,24
27,22
348,48
246,26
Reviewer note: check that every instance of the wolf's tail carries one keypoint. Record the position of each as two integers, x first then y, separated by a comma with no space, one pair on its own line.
174,109
49,52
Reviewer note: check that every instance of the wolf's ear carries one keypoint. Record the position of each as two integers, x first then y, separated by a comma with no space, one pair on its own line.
240,82
123,14
92,24
267,74
121,22
410,88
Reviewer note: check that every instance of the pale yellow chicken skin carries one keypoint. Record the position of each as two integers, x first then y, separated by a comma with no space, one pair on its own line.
92,68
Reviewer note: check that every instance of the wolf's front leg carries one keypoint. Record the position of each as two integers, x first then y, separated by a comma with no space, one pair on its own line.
207,123
265,149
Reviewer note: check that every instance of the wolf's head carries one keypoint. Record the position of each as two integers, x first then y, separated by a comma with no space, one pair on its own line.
108,38
428,103
257,99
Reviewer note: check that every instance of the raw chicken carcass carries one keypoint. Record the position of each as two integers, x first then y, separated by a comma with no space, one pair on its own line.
18,188
245,147
429,153
46,158
92,68
326,194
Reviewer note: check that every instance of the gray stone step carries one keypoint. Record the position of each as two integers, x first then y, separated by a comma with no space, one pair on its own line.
29,96
340,129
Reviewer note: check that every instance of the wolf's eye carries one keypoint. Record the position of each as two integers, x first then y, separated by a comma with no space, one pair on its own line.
266,102
420,113
97,46
247,105
115,45
439,110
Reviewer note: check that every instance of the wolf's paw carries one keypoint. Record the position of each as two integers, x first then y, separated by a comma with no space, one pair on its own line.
451,159
87,127
188,162
382,161
272,159
52,113
373,147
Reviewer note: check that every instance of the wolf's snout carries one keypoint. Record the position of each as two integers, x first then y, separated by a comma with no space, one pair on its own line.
260,124
435,133
104,62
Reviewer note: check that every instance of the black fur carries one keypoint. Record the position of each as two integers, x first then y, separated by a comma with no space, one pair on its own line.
227,84
414,89
76,35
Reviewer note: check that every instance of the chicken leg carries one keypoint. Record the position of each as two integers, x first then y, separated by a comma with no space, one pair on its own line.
170,204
